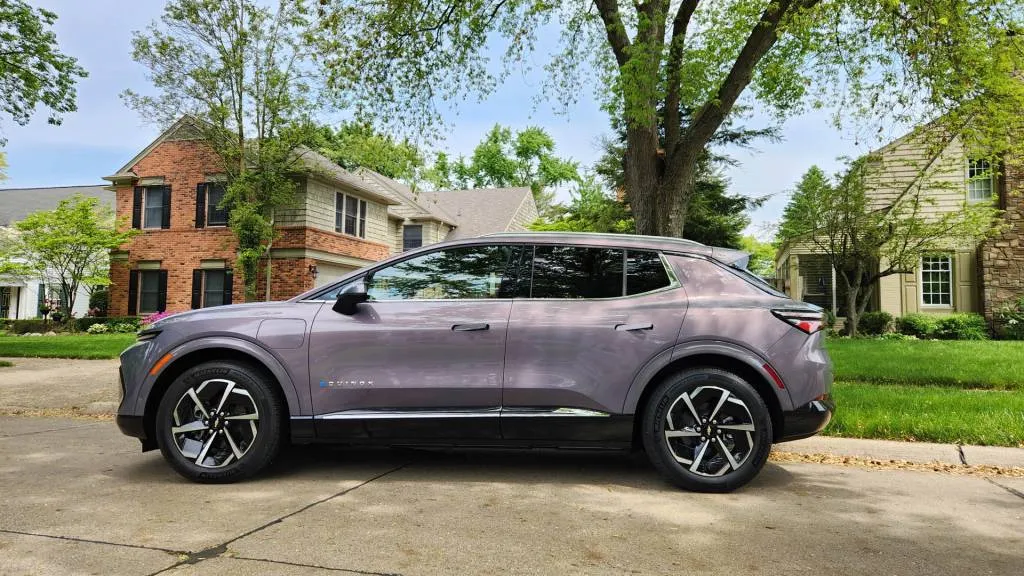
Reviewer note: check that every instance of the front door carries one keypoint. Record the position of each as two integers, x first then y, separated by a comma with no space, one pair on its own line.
424,357
5,301
591,319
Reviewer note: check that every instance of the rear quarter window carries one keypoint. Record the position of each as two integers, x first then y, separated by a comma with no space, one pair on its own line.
645,272
702,278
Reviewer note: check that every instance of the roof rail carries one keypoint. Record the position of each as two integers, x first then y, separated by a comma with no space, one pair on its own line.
595,235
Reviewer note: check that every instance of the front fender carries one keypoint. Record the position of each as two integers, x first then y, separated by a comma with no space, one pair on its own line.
682,351
297,404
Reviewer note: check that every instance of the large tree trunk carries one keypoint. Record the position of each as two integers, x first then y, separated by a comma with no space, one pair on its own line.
642,179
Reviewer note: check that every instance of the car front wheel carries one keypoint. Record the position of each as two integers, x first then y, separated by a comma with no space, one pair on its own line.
219,422
707,430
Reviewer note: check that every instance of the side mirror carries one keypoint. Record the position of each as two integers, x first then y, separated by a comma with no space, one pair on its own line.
351,297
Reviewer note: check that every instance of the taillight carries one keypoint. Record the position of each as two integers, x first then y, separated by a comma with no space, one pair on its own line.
804,320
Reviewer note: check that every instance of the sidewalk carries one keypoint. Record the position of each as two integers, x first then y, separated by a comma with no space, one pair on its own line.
918,452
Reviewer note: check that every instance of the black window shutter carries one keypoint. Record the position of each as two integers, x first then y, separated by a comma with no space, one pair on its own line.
197,289
133,292
137,207
200,206
229,284
40,297
166,223
161,292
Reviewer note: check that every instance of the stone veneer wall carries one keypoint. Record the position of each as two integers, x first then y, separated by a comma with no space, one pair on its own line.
1002,257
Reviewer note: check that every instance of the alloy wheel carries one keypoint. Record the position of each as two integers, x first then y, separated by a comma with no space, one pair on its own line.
215,423
710,431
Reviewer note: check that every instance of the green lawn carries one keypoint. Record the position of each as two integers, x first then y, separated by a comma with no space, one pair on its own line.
969,364
928,414
89,346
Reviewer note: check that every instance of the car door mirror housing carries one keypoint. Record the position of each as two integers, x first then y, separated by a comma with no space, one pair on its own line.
351,297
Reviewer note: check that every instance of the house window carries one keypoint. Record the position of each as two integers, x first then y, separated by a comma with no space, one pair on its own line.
149,291
214,195
980,181
153,207
937,280
211,287
350,215
412,237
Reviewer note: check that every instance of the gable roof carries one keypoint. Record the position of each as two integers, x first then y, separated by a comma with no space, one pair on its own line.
480,211
421,207
17,203
182,124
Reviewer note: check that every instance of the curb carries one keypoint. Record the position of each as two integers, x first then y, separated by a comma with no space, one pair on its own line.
918,452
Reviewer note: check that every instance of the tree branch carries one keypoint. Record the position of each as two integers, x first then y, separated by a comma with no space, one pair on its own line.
616,31
675,62
761,39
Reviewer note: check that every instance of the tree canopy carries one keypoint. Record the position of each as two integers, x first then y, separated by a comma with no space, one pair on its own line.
33,70
244,72
658,62
505,158
357,144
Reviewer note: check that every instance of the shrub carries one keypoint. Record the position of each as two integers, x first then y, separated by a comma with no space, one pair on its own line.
917,325
961,327
98,329
110,321
98,302
1009,320
124,327
896,336
33,325
874,323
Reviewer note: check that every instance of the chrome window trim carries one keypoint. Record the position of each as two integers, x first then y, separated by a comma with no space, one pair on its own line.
561,412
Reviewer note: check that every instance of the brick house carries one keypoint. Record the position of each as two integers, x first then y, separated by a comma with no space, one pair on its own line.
974,278
340,221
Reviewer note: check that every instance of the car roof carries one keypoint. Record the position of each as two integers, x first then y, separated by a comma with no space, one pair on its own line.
603,239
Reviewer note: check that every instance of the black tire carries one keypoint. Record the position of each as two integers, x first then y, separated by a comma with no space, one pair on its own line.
258,441
748,442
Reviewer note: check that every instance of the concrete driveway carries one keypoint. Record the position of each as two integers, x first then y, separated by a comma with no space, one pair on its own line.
78,498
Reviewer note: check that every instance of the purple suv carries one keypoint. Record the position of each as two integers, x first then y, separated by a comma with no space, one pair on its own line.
520,339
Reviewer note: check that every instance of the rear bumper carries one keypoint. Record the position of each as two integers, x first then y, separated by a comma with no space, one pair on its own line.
807,420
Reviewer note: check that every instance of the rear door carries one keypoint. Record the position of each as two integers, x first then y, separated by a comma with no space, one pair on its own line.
580,330
424,357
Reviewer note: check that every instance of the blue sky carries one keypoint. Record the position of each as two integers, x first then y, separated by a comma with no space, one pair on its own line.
104,134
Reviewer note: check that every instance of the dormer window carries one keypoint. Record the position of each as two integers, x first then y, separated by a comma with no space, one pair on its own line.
980,180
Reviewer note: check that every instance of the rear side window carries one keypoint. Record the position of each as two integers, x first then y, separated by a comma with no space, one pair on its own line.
645,272
576,272
705,279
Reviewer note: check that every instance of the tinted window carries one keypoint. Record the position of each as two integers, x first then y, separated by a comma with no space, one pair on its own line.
575,272
456,273
644,272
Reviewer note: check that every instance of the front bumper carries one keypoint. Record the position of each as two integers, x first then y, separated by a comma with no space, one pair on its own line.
807,420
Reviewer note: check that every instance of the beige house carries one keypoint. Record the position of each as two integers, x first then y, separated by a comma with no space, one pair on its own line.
956,278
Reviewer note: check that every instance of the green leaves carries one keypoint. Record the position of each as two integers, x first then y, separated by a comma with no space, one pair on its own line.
32,69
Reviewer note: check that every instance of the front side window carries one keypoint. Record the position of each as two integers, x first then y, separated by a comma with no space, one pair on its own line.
149,291
154,207
215,216
937,280
980,181
350,215
645,272
471,272
576,272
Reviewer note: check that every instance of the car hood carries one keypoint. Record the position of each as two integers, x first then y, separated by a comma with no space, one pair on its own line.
248,310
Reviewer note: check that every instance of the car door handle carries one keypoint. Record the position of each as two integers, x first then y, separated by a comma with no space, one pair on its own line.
631,327
470,327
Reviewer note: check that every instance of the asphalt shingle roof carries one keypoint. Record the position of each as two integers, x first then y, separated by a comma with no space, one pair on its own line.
479,211
16,203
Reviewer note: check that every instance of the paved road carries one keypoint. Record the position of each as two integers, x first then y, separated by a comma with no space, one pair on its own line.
78,498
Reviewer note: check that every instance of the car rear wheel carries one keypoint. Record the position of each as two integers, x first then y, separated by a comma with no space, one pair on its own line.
220,422
707,430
